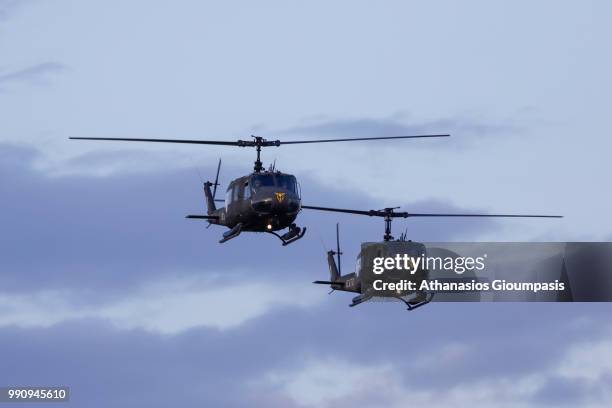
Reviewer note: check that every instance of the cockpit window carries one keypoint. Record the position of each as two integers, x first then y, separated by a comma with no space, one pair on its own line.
262,180
228,196
285,181
247,191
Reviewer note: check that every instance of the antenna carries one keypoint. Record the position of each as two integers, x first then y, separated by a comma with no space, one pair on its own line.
272,166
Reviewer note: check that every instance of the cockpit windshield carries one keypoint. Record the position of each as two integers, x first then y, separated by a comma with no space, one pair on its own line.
284,181
262,180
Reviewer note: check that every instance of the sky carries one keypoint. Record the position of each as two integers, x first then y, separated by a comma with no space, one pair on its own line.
105,287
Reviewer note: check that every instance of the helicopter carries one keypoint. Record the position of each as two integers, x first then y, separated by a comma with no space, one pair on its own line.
361,281
262,201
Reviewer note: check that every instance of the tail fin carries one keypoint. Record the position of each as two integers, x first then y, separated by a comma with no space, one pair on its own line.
210,201
210,196
338,252
334,275
335,271
216,180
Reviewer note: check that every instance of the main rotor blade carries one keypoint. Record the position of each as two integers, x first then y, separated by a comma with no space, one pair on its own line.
482,215
123,139
403,214
252,143
359,138
342,210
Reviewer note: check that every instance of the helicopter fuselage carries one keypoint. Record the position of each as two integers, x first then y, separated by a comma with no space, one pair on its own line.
261,202
363,280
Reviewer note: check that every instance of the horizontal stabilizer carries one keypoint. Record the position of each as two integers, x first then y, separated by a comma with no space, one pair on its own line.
203,217
328,283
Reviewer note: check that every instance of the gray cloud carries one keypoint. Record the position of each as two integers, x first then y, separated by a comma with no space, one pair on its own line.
8,7
462,130
103,236
119,231
560,391
213,367
36,74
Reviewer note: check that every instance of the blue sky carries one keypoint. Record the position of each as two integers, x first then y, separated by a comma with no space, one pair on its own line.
103,282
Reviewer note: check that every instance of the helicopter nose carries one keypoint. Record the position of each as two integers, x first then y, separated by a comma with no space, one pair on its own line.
262,205
285,201
293,205
279,202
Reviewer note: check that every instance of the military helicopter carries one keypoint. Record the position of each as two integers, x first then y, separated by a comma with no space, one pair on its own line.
262,201
361,281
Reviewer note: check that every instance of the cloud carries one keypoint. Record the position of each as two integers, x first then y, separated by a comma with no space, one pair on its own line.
75,242
104,282
8,7
35,74
320,381
463,130
109,235
117,248
166,307
344,383
325,355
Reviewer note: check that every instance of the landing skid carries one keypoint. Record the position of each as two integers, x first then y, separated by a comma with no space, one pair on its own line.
290,236
415,305
411,305
233,233
360,299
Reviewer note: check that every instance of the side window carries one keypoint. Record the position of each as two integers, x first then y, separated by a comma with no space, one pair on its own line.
228,196
236,192
247,191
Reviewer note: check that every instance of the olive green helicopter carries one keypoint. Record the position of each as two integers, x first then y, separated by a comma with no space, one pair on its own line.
262,201
361,281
